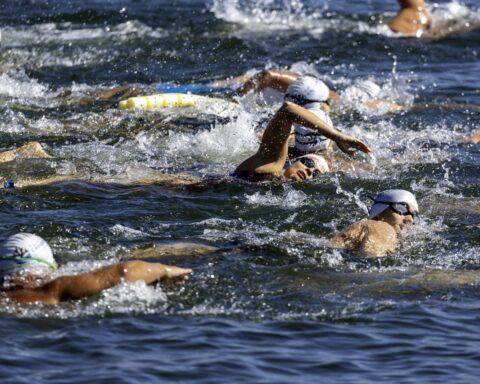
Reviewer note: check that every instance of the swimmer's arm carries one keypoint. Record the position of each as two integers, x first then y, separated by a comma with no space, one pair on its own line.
304,117
268,78
92,283
368,238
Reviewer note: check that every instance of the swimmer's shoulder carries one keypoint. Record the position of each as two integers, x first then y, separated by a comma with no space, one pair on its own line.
369,238
379,239
350,236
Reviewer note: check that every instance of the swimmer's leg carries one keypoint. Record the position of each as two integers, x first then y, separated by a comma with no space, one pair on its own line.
176,250
31,150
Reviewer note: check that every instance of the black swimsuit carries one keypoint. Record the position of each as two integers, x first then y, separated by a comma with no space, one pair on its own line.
252,176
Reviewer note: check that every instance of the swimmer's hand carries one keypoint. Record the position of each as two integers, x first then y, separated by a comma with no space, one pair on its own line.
172,272
348,143
174,276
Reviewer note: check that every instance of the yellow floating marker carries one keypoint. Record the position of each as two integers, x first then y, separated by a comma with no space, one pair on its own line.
165,100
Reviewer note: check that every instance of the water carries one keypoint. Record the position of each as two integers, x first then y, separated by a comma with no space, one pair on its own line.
275,303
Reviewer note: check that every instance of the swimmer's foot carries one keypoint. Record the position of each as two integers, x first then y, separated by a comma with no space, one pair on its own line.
474,138
175,276
116,94
172,272
110,96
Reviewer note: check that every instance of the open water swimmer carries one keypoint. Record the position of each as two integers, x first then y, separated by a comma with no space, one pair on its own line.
26,261
392,212
228,235
303,108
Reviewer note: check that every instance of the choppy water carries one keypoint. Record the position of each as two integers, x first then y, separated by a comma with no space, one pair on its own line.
275,304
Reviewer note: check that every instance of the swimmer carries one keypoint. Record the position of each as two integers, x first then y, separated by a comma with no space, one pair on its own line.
26,261
304,106
365,91
392,212
412,20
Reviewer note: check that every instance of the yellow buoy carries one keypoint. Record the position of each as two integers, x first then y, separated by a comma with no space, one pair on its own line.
163,100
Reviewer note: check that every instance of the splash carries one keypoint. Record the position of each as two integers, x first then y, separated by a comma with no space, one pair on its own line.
452,18
290,198
266,14
231,142
48,33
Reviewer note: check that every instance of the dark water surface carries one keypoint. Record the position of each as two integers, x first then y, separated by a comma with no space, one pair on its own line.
275,304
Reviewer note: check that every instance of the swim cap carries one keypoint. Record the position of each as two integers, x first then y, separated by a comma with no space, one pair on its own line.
22,250
369,88
306,90
320,162
392,196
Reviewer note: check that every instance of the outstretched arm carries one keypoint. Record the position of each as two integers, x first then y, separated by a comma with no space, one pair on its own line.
274,141
272,78
92,283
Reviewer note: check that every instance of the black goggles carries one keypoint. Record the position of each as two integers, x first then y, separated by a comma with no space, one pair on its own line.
309,163
401,208
300,100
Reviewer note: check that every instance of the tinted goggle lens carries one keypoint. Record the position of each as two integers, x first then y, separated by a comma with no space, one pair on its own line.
309,163
401,209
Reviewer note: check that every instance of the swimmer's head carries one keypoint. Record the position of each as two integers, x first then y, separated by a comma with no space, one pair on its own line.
307,167
370,89
307,90
25,251
395,206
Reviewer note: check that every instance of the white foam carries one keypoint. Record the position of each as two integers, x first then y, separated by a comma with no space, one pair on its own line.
231,142
290,198
21,86
127,233
47,33
267,16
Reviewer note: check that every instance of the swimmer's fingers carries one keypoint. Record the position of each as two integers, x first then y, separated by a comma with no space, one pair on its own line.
361,146
350,144
172,272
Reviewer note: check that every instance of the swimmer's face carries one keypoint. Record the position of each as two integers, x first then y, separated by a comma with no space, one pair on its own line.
303,169
397,221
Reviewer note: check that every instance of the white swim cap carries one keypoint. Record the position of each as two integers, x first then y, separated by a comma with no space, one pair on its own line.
320,162
386,198
369,88
307,89
22,250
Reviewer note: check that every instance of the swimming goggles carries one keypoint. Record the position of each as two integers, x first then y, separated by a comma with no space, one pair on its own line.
401,208
302,101
309,163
